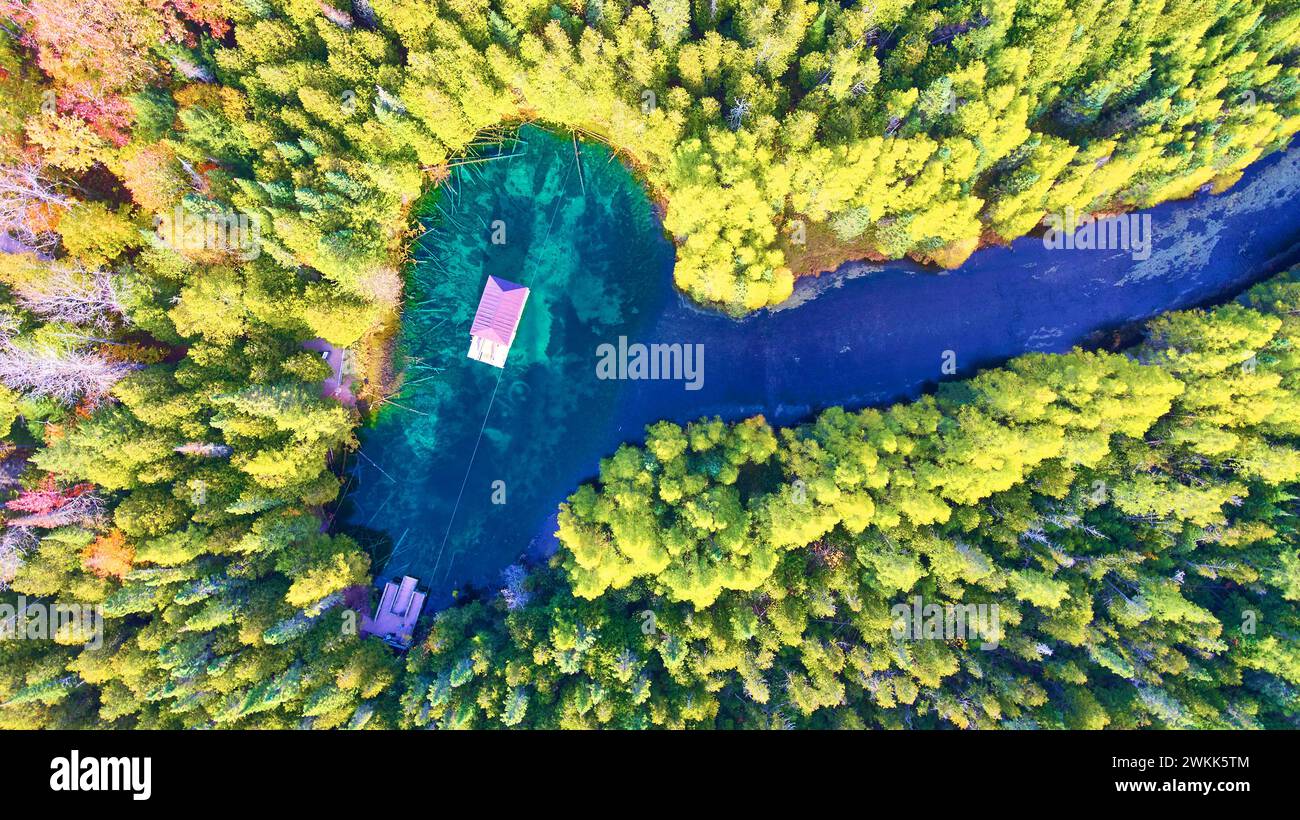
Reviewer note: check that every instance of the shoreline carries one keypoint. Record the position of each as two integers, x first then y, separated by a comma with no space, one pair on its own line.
1113,337
822,254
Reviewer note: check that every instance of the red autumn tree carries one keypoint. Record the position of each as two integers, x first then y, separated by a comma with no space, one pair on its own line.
50,505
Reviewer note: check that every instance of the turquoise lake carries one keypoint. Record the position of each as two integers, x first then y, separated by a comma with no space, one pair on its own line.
453,485
462,476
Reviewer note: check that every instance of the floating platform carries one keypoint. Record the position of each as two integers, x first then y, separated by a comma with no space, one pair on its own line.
499,310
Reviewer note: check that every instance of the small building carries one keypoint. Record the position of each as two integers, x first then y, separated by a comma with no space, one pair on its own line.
399,609
496,321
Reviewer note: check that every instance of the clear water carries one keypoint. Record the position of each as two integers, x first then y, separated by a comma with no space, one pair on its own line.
453,484
581,234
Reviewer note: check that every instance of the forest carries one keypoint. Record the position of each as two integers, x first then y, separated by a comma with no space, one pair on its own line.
192,189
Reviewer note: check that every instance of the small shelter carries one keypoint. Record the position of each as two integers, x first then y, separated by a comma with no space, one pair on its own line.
496,321
399,609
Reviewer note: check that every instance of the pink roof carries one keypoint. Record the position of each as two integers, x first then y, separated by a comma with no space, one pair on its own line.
499,310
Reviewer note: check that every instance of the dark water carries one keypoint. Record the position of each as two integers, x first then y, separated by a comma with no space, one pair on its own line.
581,235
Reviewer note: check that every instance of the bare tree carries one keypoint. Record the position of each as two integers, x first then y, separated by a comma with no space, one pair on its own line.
15,544
514,593
24,191
86,509
73,294
64,374
739,111
191,69
335,15
204,449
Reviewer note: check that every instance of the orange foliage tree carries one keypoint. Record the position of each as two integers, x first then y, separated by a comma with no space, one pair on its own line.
109,555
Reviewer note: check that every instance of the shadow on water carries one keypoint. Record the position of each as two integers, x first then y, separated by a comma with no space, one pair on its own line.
464,477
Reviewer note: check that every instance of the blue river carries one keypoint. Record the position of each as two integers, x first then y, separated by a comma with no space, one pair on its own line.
461,475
